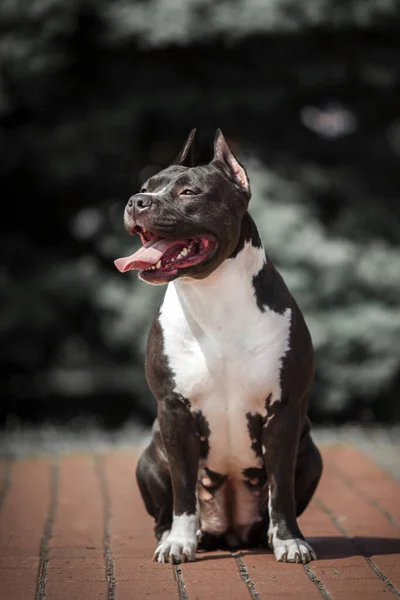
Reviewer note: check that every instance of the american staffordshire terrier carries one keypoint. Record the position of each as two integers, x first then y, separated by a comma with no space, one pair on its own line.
230,362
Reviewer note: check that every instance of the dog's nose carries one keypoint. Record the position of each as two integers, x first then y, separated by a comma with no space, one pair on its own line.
143,202
139,202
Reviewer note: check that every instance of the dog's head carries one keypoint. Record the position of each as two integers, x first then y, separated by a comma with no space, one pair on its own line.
188,218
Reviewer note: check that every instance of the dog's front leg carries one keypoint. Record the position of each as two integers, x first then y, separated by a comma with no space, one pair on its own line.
182,446
280,437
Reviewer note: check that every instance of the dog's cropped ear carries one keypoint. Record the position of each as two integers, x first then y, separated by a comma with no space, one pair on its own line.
227,161
186,155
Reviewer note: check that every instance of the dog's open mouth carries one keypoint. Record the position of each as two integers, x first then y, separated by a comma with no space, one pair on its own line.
164,256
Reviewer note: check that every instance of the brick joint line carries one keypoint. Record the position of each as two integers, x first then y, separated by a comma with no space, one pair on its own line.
107,521
382,576
183,595
6,482
371,501
47,534
312,576
359,549
246,576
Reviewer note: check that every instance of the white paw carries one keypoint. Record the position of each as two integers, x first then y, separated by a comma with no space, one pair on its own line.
293,550
176,549
179,544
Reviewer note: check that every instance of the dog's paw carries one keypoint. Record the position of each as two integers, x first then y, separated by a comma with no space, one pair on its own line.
293,550
179,544
175,550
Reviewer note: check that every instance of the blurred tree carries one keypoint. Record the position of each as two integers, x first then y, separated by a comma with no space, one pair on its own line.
95,95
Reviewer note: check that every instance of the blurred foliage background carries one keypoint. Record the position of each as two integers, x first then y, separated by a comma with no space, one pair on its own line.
96,95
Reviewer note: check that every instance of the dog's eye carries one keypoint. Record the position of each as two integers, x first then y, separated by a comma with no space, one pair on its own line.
187,192
143,190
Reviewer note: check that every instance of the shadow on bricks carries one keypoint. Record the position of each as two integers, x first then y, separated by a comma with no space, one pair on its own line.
331,547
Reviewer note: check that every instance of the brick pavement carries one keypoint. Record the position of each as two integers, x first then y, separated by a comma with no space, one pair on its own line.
73,527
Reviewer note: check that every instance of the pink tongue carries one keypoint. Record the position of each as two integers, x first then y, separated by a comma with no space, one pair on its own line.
147,256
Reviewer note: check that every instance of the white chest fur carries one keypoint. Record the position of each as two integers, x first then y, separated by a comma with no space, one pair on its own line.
225,354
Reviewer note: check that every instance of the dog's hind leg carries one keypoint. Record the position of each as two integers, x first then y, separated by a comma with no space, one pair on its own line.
308,469
154,481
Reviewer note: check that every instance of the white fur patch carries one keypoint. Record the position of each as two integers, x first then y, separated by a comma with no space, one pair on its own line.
293,550
179,544
272,529
226,356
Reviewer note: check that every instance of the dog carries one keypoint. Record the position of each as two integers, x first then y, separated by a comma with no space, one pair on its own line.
231,462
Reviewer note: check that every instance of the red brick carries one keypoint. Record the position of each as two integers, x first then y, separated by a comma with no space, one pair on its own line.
367,478
131,568
79,516
10,575
76,562
389,564
77,590
354,588
18,583
154,590
341,568
131,526
22,523
278,580
354,512
214,574
78,552
348,578
78,534
132,539
25,510
72,574
11,562
350,487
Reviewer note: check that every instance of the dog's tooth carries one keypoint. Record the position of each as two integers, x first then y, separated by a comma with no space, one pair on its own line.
144,229
158,265
185,251
206,481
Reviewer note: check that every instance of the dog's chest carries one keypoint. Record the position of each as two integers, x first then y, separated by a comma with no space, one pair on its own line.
225,355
